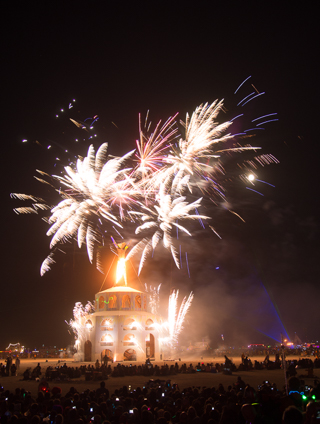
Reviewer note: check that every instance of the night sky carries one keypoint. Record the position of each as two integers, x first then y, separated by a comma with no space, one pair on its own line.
119,59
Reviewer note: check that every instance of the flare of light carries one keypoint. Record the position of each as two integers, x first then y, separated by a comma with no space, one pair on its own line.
121,270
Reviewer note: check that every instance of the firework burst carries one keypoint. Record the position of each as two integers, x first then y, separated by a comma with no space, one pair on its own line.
89,196
152,149
152,195
162,218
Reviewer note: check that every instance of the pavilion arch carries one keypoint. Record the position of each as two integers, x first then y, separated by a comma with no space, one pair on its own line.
149,324
137,302
129,324
129,340
87,351
106,340
130,355
108,353
107,324
150,346
126,301
101,302
112,303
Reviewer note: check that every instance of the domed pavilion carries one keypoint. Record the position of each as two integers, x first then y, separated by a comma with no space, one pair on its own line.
122,327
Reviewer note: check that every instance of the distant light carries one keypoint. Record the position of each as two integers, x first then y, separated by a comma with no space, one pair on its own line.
217,267
251,177
73,100
49,147
24,140
62,110
57,116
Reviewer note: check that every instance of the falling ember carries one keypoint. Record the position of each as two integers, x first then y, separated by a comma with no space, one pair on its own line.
154,297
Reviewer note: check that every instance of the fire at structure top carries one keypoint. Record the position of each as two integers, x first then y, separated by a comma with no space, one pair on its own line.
121,265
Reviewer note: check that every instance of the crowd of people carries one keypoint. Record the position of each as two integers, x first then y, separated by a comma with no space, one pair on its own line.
228,367
102,370
160,402
11,366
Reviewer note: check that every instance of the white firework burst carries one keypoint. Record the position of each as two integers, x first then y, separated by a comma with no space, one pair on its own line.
162,218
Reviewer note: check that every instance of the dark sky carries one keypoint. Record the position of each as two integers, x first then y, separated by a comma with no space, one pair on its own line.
118,59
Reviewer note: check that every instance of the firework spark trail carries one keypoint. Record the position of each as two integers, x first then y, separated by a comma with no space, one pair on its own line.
185,305
154,297
242,84
173,327
172,314
187,264
151,150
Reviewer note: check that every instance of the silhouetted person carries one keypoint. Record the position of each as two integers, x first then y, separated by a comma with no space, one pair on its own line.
13,370
292,415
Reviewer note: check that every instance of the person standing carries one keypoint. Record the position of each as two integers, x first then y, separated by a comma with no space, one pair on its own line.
8,366
17,363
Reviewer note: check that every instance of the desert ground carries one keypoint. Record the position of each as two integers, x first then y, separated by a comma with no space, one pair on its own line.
199,379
